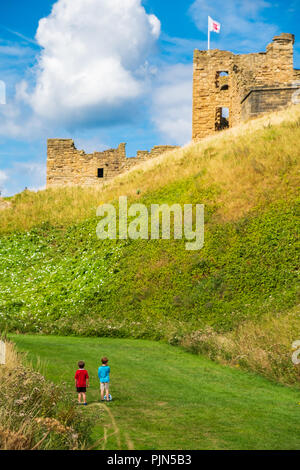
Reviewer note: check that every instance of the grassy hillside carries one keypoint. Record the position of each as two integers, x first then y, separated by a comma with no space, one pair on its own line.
164,398
236,299
240,168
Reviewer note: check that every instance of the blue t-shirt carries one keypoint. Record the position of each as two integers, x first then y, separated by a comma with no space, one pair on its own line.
103,373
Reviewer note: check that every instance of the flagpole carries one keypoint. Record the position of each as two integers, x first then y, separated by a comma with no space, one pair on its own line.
208,34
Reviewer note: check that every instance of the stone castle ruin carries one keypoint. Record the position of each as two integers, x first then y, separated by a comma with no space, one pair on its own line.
230,88
68,166
227,89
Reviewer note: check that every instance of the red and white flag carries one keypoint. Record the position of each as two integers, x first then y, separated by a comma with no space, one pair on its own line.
213,25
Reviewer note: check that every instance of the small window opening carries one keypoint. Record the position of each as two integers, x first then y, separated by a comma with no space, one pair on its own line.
222,80
100,172
222,118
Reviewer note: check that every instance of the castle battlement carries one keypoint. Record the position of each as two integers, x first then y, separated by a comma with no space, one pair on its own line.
229,88
68,166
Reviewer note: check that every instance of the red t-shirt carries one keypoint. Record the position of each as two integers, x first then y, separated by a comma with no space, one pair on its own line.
80,377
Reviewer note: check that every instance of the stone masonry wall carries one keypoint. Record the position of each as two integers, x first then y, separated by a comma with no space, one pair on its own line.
68,166
265,100
222,80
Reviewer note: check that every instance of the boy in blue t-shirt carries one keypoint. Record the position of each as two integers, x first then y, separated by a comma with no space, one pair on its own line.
103,374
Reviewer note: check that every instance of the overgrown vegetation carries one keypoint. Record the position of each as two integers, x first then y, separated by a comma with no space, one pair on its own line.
263,346
57,277
35,414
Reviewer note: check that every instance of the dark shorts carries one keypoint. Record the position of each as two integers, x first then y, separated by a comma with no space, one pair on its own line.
81,389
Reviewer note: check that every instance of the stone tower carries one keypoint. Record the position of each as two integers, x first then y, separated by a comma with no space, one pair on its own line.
229,88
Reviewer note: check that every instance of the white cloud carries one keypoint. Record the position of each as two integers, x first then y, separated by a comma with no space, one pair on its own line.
172,104
18,122
14,51
31,174
3,177
35,171
93,59
242,25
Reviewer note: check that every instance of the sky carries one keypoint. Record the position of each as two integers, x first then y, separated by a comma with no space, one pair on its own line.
108,71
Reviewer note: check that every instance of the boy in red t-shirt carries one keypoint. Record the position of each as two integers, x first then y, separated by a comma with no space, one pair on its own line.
81,382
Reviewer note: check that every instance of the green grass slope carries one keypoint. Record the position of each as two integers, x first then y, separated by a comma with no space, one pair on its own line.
165,398
241,288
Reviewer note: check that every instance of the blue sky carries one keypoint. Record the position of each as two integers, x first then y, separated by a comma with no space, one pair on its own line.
109,71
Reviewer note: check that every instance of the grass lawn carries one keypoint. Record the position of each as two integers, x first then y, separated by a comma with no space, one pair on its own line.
165,398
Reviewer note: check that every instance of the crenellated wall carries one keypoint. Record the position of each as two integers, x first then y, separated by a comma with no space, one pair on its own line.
68,166
246,85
